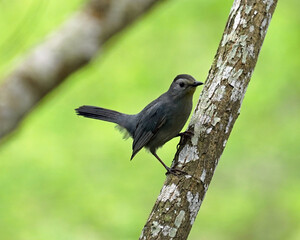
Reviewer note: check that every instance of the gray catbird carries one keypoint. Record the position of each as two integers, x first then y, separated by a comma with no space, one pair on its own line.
159,122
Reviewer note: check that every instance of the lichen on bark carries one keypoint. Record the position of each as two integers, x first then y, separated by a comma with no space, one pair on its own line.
213,119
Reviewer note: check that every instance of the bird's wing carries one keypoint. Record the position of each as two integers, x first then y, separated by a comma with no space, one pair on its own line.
150,122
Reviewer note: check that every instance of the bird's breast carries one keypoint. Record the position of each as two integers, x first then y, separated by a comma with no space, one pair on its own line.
176,117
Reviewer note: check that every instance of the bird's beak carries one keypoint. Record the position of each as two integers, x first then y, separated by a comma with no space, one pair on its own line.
196,84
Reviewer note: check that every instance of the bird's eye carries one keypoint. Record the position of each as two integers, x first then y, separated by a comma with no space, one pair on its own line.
181,84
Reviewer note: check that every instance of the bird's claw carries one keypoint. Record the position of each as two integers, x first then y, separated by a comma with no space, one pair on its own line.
175,171
183,137
186,134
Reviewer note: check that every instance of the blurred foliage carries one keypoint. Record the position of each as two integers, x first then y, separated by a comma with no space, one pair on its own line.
65,177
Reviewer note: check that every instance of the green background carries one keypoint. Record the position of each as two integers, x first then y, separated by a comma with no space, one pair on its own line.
65,177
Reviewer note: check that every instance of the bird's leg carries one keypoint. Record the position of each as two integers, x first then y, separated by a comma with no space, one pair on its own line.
173,171
183,137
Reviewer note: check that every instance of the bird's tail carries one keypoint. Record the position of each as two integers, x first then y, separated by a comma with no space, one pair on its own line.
100,113
125,121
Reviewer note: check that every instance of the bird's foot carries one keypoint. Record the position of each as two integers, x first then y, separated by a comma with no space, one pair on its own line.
185,134
175,171
183,137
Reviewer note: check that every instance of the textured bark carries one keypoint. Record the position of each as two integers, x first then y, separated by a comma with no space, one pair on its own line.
219,105
65,51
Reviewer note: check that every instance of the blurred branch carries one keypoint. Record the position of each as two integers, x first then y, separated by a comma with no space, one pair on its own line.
64,52
177,206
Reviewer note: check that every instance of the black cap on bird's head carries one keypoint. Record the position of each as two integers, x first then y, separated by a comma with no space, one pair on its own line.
184,84
184,76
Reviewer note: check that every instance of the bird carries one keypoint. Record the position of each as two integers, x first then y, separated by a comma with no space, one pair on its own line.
160,121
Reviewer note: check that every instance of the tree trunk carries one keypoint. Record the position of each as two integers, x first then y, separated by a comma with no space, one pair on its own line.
177,206
64,52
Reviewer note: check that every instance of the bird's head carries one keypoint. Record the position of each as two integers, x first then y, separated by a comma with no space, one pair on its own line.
183,85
